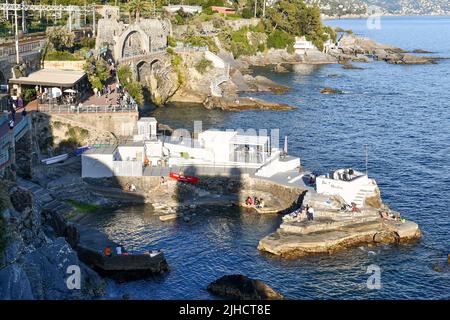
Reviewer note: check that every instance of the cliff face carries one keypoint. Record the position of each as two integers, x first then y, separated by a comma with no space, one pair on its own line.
33,261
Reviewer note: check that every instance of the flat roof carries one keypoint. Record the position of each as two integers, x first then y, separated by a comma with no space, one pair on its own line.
101,150
51,78
216,135
147,119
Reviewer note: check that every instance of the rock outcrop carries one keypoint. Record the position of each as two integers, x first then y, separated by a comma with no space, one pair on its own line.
360,49
241,287
334,229
34,263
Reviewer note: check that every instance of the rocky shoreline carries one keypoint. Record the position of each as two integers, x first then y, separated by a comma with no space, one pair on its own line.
350,48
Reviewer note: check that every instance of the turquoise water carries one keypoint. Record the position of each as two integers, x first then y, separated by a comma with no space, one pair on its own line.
401,112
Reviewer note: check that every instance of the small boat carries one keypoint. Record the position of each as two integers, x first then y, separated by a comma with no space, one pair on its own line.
56,159
80,150
183,178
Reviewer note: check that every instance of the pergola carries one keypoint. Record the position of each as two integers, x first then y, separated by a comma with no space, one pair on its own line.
250,148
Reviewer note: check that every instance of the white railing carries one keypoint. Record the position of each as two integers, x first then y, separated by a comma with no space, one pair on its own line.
143,55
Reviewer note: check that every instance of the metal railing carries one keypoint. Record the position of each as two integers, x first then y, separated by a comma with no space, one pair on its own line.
45,108
249,156
10,50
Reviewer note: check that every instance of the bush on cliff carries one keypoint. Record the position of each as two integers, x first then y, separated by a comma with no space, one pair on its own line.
134,88
203,65
279,39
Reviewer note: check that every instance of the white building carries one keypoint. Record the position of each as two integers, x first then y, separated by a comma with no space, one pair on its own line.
328,45
351,185
302,45
211,149
186,8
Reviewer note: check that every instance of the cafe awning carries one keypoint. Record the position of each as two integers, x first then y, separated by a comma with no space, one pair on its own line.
51,78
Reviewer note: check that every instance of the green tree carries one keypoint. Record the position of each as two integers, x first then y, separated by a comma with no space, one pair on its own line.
298,19
97,71
138,7
60,38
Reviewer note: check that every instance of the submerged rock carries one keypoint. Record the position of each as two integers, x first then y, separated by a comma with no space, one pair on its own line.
241,287
280,69
329,90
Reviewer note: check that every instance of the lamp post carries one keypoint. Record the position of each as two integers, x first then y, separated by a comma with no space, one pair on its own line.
16,29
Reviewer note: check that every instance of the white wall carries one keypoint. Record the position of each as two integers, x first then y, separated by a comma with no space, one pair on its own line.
348,190
96,165
131,153
216,60
197,153
128,168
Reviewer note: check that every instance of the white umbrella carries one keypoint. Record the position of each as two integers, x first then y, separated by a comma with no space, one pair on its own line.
70,91
55,92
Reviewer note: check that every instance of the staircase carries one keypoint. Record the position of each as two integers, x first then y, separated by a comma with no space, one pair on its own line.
216,91
43,197
361,195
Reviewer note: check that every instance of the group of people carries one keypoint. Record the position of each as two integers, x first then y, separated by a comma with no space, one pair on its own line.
129,187
119,251
301,214
254,202
15,103
394,216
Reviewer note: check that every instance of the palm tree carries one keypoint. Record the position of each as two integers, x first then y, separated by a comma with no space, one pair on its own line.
136,7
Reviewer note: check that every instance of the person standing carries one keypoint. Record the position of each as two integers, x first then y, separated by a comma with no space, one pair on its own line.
310,214
11,124
12,109
19,103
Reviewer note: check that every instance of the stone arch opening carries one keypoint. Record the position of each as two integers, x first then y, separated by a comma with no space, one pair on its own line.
133,45
143,72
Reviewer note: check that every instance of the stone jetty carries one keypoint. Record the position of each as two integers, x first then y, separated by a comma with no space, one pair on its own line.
334,229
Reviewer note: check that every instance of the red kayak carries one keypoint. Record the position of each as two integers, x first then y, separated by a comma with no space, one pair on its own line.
183,178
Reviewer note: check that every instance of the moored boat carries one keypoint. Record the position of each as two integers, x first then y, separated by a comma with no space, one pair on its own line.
80,150
183,178
55,159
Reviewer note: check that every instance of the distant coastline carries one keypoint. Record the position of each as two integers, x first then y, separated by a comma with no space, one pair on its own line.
360,16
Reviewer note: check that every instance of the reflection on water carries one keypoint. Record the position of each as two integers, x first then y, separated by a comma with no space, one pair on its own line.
401,112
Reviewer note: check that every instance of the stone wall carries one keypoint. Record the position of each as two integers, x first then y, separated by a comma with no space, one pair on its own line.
119,124
65,65
283,197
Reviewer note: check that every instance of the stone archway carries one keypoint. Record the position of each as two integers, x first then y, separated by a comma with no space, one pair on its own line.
132,41
145,71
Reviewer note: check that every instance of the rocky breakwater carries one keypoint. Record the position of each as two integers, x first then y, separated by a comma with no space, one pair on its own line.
361,49
334,229
34,261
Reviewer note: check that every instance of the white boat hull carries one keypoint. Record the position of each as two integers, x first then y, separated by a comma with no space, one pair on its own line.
56,159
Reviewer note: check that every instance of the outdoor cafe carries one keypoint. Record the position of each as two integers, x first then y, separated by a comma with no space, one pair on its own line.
52,86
